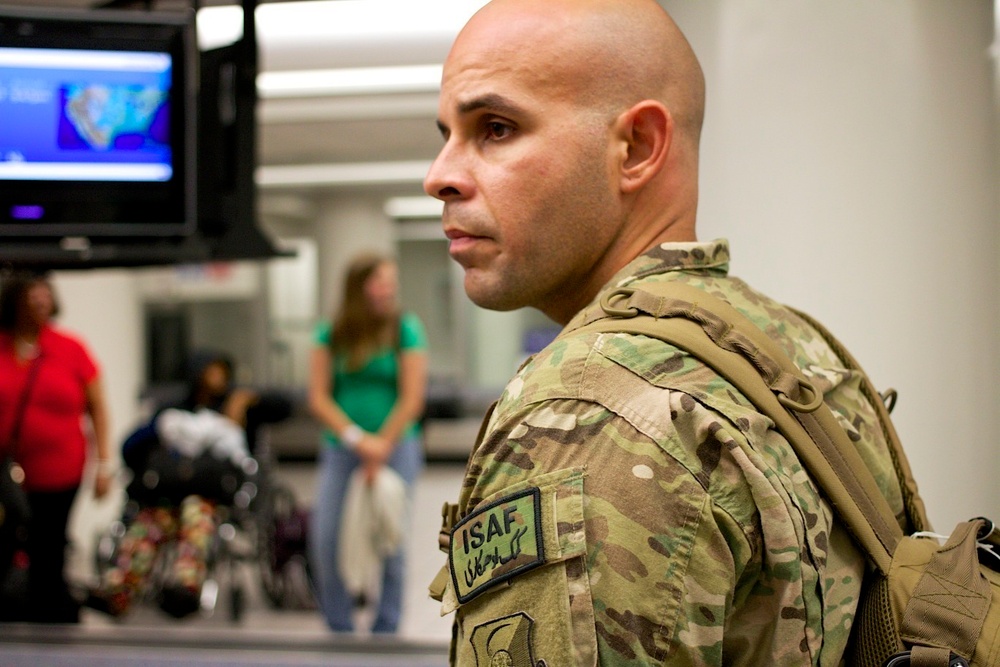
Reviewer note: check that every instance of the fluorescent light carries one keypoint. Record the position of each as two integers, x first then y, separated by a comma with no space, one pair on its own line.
359,173
359,107
318,21
414,208
219,26
350,81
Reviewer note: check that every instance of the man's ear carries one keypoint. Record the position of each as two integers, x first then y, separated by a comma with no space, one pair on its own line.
647,130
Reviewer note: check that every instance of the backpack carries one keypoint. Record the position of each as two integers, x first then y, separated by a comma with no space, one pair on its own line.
923,603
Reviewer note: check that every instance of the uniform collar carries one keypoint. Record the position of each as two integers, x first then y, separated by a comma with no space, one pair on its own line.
707,257
695,256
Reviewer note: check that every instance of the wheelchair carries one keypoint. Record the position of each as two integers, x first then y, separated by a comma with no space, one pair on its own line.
189,525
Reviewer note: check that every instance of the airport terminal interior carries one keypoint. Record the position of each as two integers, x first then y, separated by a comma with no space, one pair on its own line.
315,128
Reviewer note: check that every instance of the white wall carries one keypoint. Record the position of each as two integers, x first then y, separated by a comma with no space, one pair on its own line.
850,155
104,309
347,225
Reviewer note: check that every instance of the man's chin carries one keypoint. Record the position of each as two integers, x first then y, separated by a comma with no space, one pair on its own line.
487,294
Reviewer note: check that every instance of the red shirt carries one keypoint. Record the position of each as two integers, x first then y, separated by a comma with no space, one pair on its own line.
52,446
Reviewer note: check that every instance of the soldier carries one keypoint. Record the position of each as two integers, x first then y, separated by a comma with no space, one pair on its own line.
624,504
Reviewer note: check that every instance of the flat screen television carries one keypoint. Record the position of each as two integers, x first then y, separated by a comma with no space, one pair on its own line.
97,123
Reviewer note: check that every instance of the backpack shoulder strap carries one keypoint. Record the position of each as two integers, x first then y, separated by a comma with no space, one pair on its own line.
916,512
728,342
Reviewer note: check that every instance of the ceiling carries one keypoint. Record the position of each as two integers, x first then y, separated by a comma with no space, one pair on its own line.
311,144
167,5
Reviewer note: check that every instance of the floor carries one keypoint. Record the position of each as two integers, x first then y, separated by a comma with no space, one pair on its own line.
298,636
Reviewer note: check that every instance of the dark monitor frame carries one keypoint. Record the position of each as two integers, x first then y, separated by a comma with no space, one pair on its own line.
119,210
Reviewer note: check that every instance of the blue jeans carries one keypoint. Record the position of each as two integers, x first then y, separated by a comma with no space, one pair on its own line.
335,467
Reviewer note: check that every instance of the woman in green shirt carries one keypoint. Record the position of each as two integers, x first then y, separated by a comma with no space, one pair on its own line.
367,385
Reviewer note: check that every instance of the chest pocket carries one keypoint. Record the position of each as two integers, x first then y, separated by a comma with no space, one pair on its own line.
518,577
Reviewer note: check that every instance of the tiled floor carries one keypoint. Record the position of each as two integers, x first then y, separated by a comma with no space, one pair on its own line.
421,618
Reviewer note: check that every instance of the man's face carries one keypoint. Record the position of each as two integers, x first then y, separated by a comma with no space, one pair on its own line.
525,174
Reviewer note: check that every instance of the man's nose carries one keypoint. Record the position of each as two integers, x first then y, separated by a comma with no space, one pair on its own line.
444,179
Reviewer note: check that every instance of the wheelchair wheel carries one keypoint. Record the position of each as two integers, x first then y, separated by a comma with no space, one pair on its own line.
282,542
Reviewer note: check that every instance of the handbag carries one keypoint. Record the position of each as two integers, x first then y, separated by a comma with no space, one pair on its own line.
14,509
15,512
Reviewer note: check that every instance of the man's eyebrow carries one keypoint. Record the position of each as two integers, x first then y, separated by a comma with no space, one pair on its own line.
491,101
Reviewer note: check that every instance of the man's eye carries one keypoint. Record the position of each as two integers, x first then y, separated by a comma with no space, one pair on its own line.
497,130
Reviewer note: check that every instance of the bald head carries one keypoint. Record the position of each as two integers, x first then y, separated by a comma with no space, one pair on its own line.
610,53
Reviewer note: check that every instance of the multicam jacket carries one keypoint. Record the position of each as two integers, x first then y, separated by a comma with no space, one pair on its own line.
627,506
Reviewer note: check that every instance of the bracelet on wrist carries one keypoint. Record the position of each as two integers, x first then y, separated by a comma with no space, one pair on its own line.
351,436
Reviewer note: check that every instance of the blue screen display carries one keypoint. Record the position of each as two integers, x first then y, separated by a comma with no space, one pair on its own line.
85,115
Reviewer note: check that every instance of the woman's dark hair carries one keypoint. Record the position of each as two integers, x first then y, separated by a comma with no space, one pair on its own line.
197,364
357,331
14,289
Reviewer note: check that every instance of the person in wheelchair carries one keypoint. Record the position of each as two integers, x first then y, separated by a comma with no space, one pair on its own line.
192,463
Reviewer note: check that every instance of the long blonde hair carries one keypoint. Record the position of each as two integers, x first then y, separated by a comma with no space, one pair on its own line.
357,331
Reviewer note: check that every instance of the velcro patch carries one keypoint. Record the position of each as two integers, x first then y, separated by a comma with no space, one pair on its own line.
506,642
497,542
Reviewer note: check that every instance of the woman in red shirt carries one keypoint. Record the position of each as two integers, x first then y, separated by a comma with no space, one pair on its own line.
53,375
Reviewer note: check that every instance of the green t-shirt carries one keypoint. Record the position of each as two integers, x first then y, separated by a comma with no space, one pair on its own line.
367,394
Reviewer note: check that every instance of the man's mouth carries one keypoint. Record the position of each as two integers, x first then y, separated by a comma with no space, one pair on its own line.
460,241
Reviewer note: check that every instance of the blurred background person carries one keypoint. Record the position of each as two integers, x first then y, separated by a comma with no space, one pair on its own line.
211,386
194,448
53,376
367,386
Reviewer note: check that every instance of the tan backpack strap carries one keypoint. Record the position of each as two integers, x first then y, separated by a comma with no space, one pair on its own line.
728,342
916,513
926,656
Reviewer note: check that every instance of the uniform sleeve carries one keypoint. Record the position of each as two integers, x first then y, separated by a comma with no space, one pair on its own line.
628,507
633,562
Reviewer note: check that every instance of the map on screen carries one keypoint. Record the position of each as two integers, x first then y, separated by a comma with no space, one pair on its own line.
100,117
75,115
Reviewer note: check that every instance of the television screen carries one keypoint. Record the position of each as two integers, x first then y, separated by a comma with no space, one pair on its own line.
97,115
84,115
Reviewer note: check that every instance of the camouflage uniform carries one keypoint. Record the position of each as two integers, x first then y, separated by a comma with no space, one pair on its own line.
627,506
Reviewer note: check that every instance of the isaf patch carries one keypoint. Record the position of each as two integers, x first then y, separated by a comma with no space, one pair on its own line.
505,642
496,542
